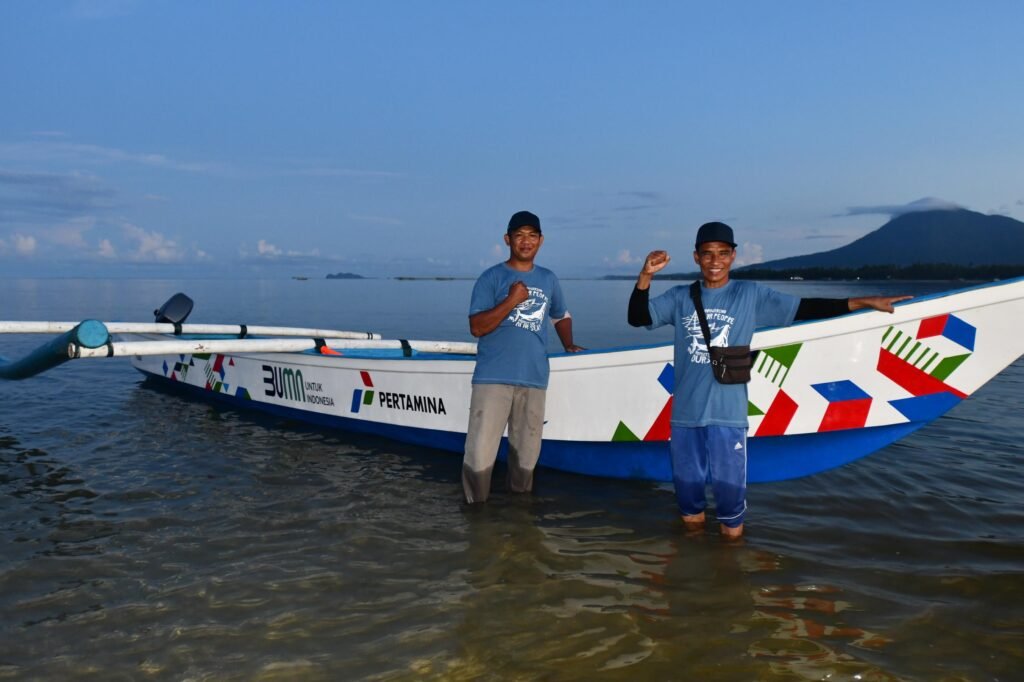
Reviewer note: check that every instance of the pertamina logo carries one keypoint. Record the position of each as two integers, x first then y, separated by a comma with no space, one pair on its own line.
391,400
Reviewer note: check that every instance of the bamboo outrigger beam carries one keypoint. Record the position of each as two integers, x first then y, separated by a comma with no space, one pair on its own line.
88,334
229,346
240,330
92,339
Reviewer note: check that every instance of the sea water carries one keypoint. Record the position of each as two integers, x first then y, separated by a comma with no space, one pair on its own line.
146,536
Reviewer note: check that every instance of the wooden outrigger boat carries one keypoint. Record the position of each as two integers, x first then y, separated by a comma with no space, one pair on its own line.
823,393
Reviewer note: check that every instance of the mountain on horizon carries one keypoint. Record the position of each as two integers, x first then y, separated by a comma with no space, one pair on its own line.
956,237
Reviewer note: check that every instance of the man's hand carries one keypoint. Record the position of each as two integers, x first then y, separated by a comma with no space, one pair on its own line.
656,260
573,348
882,303
517,293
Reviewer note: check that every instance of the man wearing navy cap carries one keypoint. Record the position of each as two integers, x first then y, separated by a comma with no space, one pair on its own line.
709,419
508,312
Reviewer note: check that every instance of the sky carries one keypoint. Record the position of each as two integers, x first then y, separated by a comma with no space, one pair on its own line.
273,139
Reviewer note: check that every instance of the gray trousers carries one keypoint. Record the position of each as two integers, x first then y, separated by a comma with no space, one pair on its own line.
491,409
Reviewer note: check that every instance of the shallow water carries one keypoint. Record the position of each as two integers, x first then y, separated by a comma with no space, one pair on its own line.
149,537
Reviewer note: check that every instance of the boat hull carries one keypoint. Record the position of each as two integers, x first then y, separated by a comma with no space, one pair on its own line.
822,394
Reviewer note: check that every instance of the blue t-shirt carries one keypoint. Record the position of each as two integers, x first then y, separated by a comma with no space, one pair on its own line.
516,352
734,312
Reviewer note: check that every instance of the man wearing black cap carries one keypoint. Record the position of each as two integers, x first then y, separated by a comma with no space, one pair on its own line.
508,312
709,418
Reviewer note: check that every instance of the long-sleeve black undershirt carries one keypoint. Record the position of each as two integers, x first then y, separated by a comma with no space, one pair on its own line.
639,315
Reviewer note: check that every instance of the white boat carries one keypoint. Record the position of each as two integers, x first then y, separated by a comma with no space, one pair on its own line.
823,393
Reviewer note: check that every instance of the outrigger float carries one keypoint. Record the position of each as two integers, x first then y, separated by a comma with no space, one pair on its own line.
823,393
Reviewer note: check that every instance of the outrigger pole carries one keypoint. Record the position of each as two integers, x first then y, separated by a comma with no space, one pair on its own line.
91,339
88,334
226,346
240,330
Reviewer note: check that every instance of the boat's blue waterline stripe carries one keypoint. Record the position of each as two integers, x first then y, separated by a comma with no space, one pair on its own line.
774,458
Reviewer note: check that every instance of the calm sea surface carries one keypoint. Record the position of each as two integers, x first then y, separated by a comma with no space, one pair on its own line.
145,536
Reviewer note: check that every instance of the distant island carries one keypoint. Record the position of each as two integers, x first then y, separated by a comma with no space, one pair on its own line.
955,237
345,275
948,244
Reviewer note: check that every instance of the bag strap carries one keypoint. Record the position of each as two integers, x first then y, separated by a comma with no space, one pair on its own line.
701,315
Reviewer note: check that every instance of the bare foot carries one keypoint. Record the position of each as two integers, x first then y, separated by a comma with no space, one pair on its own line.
732,533
693,523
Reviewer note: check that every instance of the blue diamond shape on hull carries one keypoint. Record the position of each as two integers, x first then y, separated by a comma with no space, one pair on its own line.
667,377
838,391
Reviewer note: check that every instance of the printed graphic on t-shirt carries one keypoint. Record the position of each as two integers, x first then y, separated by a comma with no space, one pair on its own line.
529,314
719,324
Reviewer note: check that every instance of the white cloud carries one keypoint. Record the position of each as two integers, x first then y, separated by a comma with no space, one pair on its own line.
265,248
626,258
268,251
151,246
893,210
71,234
24,245
53,149
749,254
107,249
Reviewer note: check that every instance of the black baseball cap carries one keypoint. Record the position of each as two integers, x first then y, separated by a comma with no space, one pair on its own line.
522,219
714,232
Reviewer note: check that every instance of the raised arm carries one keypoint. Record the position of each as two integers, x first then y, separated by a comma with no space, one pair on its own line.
638,314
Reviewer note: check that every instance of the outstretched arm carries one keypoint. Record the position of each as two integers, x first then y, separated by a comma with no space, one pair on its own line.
882,303
823,308
487,321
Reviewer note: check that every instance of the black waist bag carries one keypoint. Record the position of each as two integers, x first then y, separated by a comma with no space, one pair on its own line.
730,364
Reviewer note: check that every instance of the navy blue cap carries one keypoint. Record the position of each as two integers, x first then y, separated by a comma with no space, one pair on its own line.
523,219
714,232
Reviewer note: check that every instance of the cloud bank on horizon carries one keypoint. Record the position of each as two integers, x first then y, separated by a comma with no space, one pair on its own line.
356,146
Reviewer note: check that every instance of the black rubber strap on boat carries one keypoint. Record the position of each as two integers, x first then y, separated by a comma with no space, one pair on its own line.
406,348
110,348
177,328
320,343
245,330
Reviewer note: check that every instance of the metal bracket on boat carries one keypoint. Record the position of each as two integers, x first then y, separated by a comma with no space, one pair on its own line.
406,348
